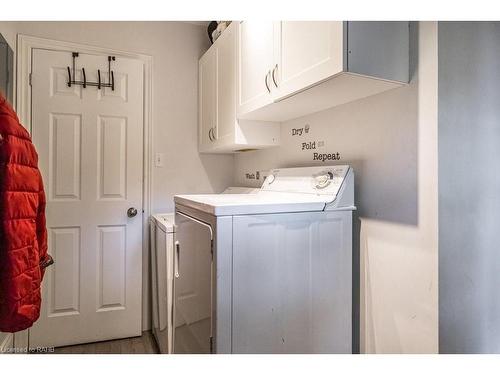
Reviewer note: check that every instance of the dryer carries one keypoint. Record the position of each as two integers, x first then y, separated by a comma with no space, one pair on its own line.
162,229
269,272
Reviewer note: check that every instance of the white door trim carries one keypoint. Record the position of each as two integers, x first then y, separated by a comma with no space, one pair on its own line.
25,46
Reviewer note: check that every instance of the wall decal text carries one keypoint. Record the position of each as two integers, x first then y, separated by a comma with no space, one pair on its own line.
326,157
300,131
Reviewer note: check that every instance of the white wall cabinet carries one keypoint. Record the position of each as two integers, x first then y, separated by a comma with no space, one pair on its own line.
260,73
255,48
290,69
219,129
207,100
308,53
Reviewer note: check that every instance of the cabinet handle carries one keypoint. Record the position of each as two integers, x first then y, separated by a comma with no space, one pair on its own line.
267,85
274,79
210,134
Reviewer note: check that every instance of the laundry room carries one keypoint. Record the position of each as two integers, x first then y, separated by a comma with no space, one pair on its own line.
312,184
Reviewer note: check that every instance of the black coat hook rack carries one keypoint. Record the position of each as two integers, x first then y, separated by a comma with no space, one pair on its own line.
84,83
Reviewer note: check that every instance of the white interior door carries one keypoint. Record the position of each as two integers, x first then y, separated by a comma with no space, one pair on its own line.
90,145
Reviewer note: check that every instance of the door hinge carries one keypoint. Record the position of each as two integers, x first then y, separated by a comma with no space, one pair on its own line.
30,79
211,345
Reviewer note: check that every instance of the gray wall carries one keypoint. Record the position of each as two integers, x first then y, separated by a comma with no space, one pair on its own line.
469,187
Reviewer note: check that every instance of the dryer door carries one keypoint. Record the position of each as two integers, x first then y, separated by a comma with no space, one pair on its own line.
193,282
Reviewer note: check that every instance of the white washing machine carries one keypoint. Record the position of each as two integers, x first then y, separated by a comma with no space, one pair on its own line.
269,272
162,229
162,244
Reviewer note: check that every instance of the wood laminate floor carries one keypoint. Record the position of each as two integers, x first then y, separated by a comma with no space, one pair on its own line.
144,344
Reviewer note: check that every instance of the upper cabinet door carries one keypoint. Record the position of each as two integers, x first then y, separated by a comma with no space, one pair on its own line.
226,85
207,99
255,47
309,52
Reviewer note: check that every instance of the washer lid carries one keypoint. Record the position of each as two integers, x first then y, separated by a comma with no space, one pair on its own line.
165,221
263,202
240,190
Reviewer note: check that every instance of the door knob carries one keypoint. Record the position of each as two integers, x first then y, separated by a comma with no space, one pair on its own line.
131,212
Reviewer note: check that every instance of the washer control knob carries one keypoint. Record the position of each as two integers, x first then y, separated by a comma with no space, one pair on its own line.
270,179
322,181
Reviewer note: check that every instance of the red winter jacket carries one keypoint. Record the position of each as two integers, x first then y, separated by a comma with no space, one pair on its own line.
23,236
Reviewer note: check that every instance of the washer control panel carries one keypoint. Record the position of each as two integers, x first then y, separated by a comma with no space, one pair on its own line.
307,180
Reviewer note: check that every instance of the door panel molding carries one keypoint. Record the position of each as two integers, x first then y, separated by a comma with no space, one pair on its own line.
25,46
64,137
64,298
